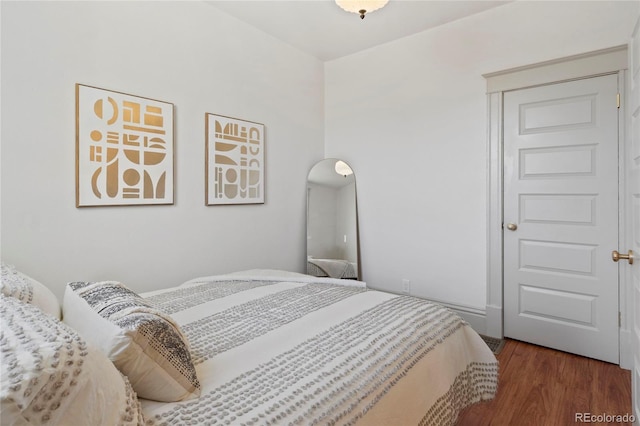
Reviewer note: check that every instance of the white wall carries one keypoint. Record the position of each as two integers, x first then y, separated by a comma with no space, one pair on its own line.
410,117
186,53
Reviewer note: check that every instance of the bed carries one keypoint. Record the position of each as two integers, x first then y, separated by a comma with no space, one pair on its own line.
264,347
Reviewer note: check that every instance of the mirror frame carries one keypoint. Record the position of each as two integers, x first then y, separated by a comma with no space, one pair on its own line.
327,173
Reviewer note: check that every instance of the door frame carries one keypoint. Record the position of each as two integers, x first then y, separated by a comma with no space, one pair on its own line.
602,62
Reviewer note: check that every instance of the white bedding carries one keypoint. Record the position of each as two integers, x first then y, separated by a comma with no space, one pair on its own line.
281,348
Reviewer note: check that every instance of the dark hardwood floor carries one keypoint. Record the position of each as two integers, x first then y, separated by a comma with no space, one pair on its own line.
540,386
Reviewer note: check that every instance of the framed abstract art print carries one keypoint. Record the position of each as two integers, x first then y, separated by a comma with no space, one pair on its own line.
234,166
124,149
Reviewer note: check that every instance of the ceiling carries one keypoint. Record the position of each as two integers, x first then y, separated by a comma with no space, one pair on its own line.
322,29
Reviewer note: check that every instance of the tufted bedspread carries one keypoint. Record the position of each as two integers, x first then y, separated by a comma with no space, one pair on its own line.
301,350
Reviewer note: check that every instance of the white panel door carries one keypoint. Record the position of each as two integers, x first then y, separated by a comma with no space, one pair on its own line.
633,206
561,216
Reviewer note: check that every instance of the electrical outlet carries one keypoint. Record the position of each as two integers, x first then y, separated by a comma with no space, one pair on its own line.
406,286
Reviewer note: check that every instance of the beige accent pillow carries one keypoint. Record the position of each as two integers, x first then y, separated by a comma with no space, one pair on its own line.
51,376
26,289
144,343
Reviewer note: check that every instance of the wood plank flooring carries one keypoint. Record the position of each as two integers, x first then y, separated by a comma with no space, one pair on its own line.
540,386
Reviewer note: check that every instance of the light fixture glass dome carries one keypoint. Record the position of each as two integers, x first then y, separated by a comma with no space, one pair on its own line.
361,6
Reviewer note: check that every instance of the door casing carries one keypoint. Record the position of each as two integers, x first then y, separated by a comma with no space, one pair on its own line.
601,62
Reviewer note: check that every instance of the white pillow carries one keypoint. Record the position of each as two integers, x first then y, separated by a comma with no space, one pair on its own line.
26,289
144,343
51,376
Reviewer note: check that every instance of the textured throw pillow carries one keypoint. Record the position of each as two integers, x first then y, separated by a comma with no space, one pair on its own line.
50,376
26,289
144,343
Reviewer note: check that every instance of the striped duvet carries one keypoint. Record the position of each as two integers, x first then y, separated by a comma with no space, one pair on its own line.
281,348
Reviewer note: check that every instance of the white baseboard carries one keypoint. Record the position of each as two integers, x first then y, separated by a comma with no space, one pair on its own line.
494,322
626,350
477,318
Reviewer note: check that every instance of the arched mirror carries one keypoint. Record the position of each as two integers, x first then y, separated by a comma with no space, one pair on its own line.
333,248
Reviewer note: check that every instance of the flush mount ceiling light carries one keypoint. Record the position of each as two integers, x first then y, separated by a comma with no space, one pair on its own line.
361,6
343,168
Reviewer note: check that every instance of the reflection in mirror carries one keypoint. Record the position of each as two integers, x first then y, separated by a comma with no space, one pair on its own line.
332,221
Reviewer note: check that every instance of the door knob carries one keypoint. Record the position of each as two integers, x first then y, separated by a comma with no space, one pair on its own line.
512,226
617,256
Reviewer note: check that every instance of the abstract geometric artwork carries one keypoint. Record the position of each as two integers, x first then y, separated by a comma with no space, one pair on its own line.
124,149
234,161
